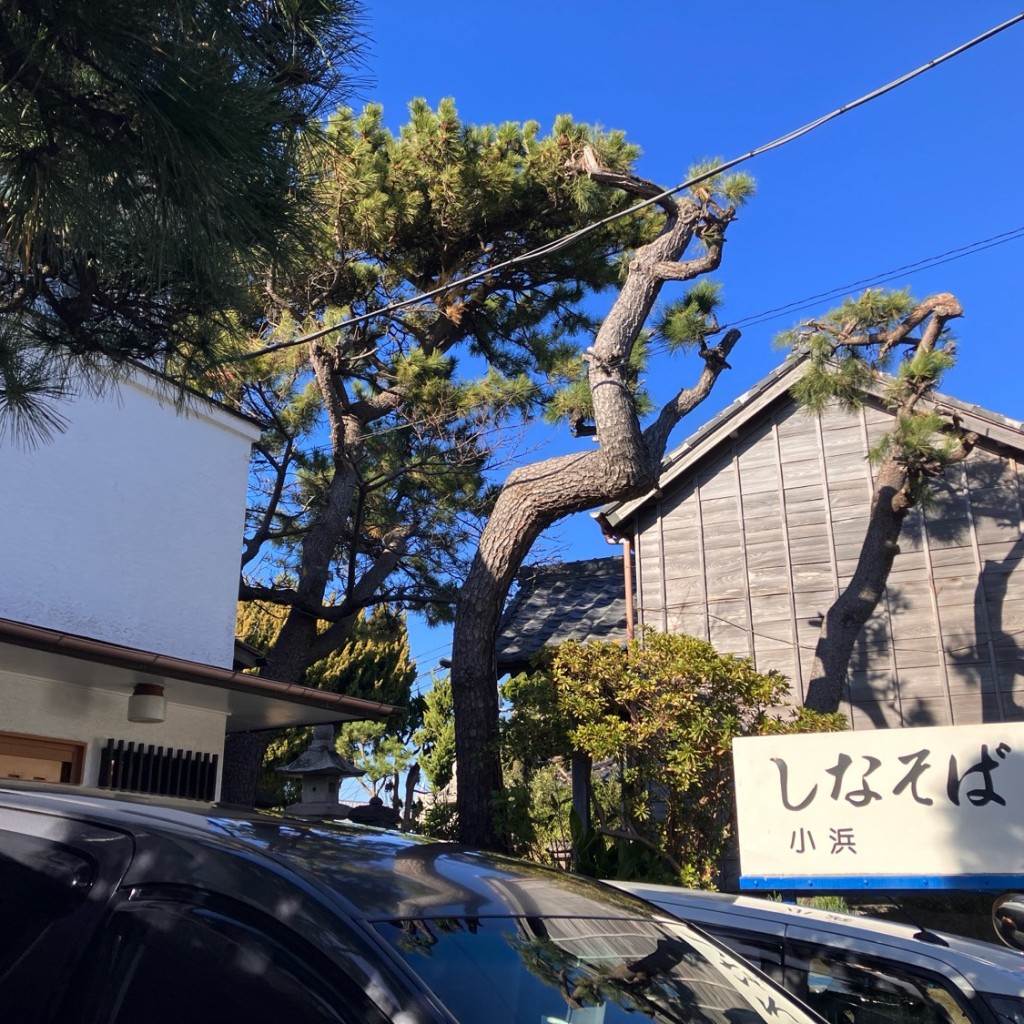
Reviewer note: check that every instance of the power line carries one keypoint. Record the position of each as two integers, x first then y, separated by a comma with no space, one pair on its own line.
795,305
560,243
429,656
882,278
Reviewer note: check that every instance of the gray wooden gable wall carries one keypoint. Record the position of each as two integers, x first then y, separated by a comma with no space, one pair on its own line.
751,547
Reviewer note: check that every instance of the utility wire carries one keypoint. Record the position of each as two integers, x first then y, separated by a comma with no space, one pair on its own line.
560,243
882,278
753,319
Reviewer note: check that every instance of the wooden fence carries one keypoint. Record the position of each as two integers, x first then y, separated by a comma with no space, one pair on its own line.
141,768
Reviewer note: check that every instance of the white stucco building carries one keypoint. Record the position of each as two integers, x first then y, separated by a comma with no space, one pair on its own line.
119,560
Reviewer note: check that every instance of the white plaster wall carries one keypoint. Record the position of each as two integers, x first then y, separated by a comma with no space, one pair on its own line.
44,707
128,526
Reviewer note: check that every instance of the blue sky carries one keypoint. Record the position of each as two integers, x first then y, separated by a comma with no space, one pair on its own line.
932,167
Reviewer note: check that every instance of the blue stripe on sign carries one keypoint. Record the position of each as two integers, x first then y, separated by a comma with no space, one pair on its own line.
830,883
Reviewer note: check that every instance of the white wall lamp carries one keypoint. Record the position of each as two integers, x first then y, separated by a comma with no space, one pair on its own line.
147,703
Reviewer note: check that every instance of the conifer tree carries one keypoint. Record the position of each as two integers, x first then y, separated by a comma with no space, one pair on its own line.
149,165
371,473
624,464
849,349
437,735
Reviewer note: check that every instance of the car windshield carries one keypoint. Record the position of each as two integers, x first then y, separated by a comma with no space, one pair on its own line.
554,970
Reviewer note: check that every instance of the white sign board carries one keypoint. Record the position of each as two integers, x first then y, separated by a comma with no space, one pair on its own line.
921,802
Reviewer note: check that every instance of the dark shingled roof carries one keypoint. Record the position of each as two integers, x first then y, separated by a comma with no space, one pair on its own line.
569,601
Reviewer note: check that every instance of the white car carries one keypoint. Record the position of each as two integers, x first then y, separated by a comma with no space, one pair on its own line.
857,970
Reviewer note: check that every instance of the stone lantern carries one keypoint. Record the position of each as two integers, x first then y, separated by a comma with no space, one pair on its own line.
320,769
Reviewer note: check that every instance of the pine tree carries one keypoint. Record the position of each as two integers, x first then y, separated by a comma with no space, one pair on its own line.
624,464
149,164
370,477
848,350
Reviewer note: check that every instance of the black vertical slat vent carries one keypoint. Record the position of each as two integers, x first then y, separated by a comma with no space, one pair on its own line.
132,768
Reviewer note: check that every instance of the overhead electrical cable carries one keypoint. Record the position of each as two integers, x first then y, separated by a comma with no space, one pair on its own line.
949,256
882,278
560,243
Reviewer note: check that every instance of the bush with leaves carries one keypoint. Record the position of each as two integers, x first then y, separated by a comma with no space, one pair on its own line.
662,710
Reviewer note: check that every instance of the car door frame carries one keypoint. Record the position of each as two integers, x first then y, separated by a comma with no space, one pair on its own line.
885,956
32,986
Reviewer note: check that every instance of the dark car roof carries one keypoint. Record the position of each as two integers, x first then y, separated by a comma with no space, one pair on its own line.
380,874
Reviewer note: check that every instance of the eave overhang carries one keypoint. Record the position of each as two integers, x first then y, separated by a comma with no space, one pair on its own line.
250,702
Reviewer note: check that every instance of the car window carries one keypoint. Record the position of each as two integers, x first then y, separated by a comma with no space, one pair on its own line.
164,962
763,951
508,970
55,879
1008,1009
41,882
847,989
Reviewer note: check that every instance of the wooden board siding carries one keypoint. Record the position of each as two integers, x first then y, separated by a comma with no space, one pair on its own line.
751,546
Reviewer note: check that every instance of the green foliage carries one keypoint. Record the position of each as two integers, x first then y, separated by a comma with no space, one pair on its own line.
377,486
439,819
924,446
876,309
921,371
692,319
444,199
570,400
436,736
535,811
373,665
845,382
382,754
848,349
150,158
852,332
535,728
258,623
400,214
736,189
684,324
837,904
662,712
602,856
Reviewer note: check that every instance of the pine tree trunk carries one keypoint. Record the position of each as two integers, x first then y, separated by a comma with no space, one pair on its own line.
412,778
244,751
533,497
243,759
855,605
531,500
503,545
582,768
